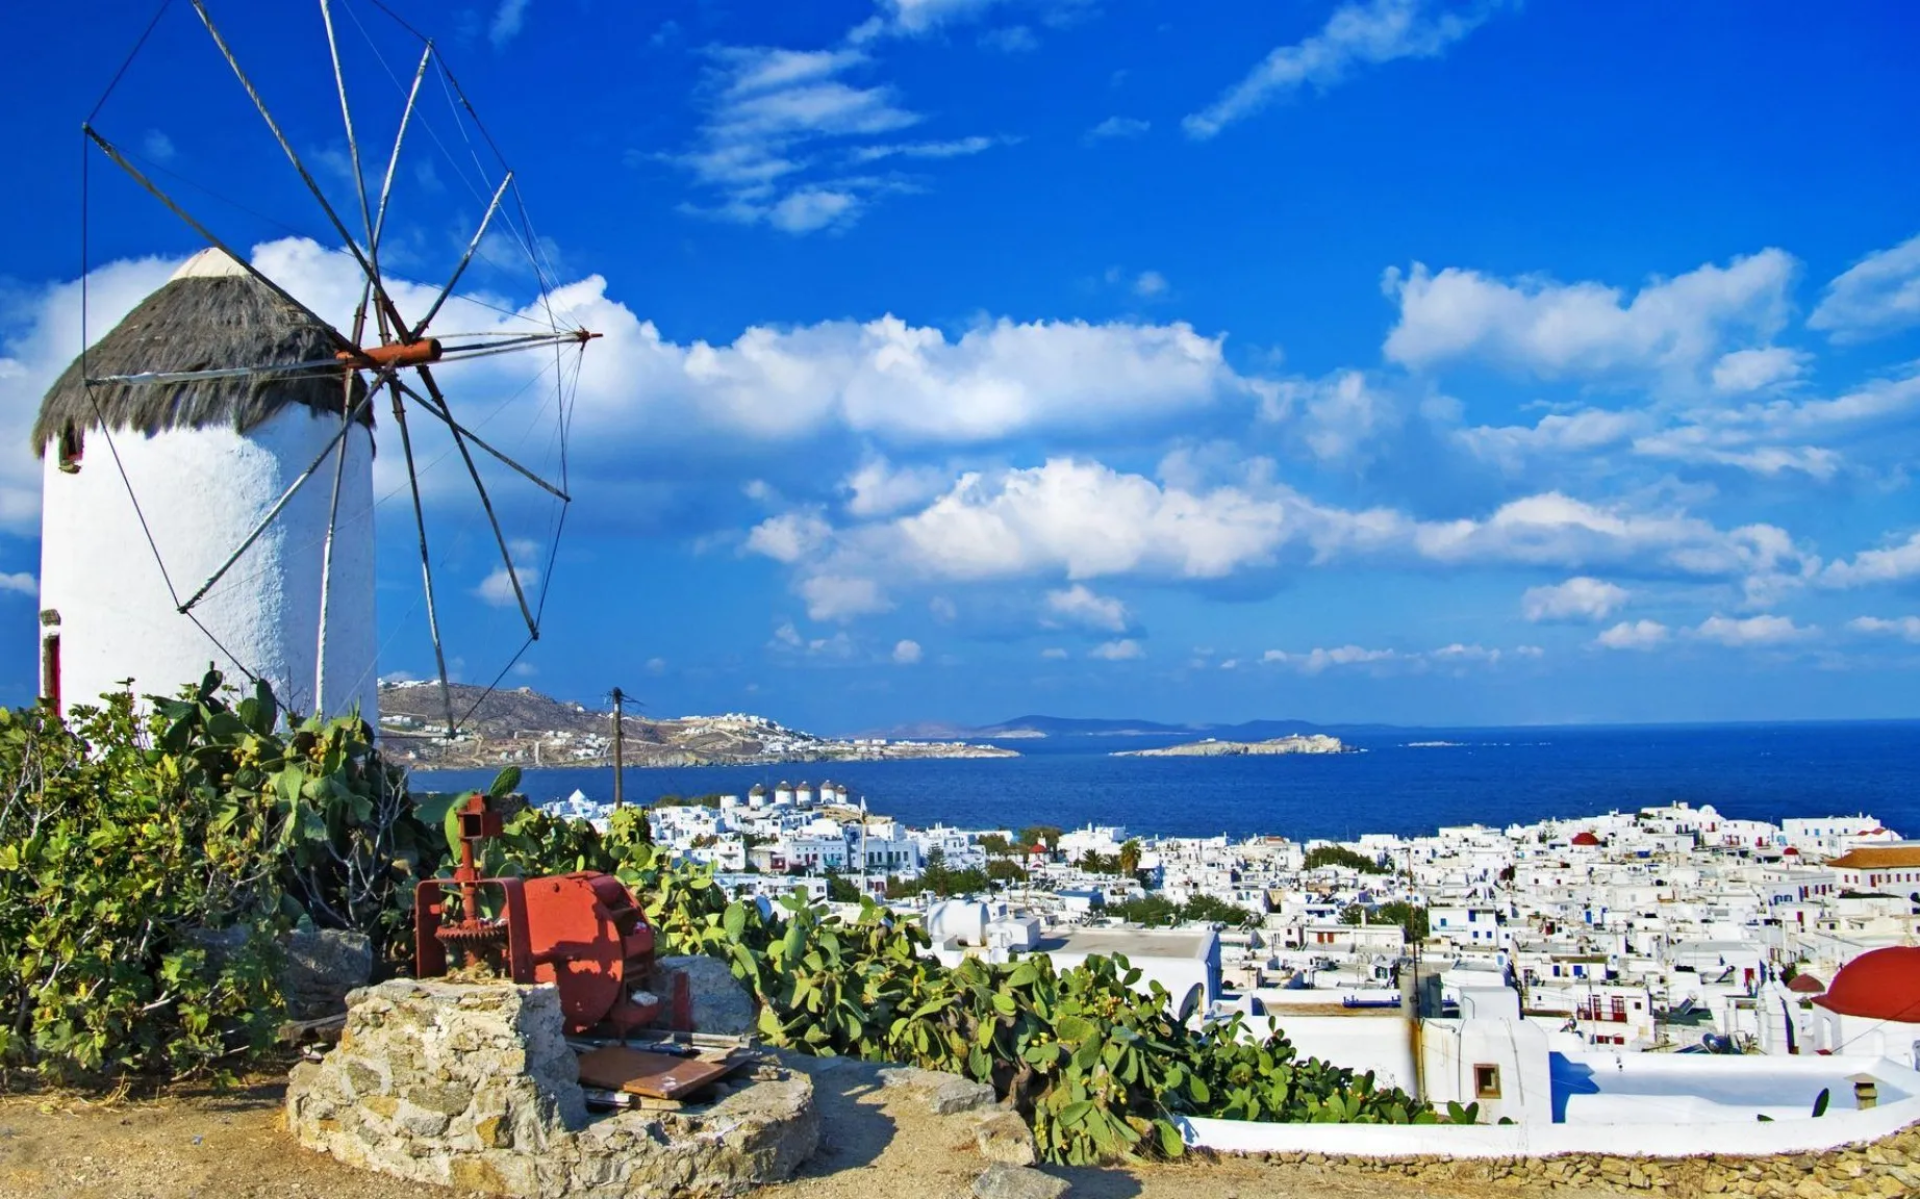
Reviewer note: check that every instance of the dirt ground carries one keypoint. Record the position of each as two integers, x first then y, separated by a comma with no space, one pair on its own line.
875,1143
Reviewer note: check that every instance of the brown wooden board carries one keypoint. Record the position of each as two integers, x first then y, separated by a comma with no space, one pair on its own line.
654,1075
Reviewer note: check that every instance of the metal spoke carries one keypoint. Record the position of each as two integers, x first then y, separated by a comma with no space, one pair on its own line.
306,176
426,561
440,410
333,513
154,378
120,160
286,497
486,502
346,116
393,160
326,552
466,258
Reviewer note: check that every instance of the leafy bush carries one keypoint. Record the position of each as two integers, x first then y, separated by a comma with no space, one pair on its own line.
148,860
1342,857
1155,910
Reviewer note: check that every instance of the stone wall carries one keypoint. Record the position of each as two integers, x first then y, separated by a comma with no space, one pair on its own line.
1885,1168
473,1086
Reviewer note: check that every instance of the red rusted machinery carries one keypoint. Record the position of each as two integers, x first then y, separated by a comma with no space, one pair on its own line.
582,932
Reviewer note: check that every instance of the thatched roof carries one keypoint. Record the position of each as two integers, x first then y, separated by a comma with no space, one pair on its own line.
210,315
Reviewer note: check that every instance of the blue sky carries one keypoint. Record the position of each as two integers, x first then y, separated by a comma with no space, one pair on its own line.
1385,361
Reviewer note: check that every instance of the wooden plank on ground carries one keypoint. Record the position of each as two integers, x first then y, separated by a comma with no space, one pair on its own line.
654,1075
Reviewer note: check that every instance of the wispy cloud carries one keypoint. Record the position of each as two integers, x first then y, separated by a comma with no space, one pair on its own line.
1013,39
1878,295
508,19
1117,129
1906,627
1456,657
918,18
958,148
783,127
1356,35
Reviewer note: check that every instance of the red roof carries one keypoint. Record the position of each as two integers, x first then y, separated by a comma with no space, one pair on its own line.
1805,984
1790,850
1583,837
1881,985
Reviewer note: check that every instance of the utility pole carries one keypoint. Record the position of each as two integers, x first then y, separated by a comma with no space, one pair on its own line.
619,748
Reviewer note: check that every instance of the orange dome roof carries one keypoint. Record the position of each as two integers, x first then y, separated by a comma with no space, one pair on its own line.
1584,837
1881,985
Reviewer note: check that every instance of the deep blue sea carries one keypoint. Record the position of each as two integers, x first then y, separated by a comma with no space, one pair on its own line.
1493,776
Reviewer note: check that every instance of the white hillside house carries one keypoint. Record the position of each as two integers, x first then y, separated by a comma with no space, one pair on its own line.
205,460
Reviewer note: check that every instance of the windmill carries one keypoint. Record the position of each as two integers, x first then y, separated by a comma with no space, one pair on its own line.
231,518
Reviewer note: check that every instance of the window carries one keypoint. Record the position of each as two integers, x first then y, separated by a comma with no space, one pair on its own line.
70,448
50,669
1486,1081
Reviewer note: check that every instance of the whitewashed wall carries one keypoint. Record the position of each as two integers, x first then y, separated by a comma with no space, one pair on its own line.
202,491
1842,1125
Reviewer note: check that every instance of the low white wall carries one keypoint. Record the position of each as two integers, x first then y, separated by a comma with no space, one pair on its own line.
1804,1135
1841,1126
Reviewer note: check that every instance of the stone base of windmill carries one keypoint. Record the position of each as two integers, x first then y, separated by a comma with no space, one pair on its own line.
474,1087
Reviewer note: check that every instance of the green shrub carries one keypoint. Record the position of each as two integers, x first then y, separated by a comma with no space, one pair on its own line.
148,860
1341,856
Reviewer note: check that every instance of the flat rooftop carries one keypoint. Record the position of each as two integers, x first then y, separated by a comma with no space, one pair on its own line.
1132,942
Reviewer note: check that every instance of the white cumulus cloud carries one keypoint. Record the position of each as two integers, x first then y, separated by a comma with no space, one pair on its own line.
1081,606
1579,598
1753,630
1894,564
1553,330
1633,634
1125,649
497,588
906,652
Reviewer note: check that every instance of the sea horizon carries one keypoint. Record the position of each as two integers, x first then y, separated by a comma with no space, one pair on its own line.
1493,775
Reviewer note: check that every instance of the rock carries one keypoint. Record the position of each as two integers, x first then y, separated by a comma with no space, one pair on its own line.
1004,1137
1002,1181
720,1004
474,1086
322,966
946,1094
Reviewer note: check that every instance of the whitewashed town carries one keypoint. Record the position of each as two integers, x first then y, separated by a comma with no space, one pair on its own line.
1676,939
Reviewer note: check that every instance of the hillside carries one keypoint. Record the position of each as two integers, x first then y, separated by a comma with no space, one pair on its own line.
525,728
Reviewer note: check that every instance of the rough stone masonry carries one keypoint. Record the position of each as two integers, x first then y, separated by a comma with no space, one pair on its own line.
473,1086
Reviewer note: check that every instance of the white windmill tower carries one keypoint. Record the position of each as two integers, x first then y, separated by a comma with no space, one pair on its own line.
196,466
208,487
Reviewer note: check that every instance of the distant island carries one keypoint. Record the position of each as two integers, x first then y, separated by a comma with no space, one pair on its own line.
1296,743
521,727
1031,727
